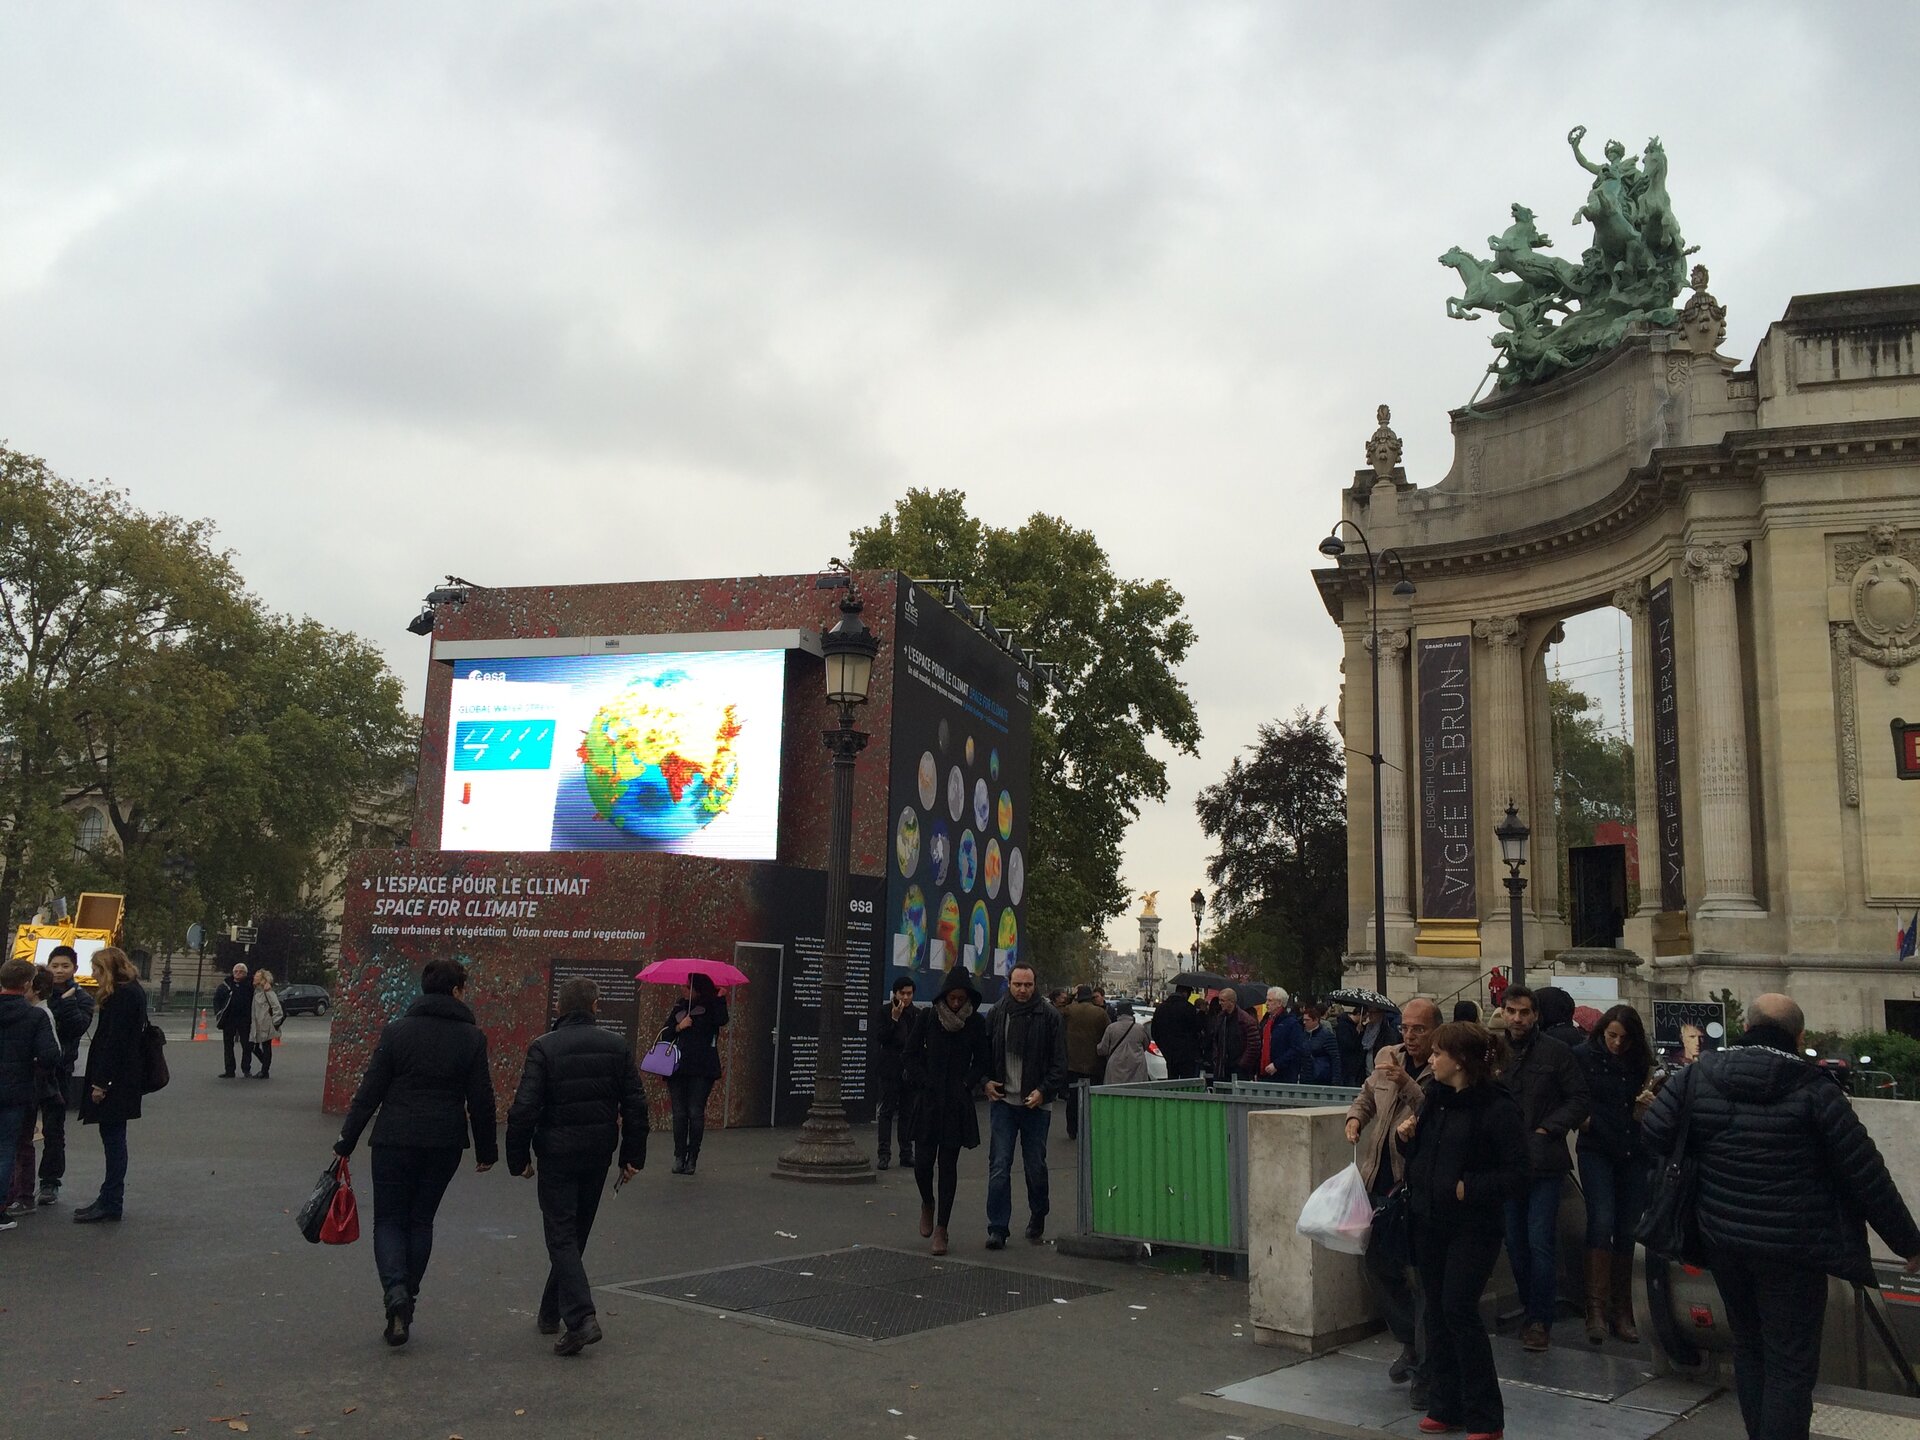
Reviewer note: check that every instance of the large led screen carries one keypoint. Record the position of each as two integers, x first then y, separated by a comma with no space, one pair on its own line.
669,752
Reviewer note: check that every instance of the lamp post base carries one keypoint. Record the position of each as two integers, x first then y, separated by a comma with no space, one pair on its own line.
825,1153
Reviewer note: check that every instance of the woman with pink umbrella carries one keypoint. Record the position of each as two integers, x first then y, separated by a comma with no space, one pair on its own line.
693,1027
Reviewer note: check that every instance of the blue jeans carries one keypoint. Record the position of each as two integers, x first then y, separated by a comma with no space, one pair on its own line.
113,1189
12,1117
1616,1192
408,1184
1531,1224
1030,1126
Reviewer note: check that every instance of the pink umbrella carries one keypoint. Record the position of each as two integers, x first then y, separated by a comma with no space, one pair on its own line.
676,972
1586,1017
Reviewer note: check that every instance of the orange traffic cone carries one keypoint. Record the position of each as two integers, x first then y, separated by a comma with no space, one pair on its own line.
200,1026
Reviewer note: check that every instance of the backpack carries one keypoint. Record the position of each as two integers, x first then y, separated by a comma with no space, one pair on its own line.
154,1074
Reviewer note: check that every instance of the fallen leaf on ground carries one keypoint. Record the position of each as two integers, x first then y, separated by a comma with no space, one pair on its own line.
110,1395
238,1425
350,1409
519,1412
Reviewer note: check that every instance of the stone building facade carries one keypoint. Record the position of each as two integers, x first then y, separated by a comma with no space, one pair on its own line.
1761,527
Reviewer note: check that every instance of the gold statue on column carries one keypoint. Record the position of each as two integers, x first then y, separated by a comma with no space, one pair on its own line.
1148,900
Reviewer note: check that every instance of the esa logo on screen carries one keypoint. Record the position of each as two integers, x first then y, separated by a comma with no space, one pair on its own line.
860,907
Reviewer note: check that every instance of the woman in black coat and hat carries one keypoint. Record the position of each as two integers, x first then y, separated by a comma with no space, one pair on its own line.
116,1074
945,1062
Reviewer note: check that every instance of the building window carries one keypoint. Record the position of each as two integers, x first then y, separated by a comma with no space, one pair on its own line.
91,834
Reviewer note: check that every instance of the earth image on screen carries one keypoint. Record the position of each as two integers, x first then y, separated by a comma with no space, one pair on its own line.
657,767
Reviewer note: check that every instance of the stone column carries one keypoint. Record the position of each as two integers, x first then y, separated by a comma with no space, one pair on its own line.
1501,745
1646,816
1545,887
1395,840
1721,722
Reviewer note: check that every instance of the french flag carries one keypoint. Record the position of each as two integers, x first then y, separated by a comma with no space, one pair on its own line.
1905,941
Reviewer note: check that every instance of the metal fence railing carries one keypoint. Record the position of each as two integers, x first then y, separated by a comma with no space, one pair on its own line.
1165,1161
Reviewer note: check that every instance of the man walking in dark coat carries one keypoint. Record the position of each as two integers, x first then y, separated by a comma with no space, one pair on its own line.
1787,1182
1233,1038
1028,1043
1178,1029
233,1013
72,1008
1086,1020
1552,1091
893,1026
579,1097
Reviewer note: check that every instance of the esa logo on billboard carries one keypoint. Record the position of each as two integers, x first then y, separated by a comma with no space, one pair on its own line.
911,609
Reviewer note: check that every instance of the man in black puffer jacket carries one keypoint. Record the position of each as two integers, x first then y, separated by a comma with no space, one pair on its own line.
430,1082
579,1097
1788,1181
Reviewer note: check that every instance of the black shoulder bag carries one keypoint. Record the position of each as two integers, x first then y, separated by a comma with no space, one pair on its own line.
1669,1225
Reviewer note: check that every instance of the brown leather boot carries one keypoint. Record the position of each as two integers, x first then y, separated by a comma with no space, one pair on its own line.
926,1221
1599,1281
939,1239
1623,1327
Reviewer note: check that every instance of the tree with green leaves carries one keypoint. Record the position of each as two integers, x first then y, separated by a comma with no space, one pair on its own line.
1593,771
1115,647
139,677
1279,816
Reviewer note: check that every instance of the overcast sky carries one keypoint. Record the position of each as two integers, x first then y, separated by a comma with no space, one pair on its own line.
543,293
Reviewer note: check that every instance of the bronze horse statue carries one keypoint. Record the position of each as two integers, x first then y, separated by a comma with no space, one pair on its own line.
1484,290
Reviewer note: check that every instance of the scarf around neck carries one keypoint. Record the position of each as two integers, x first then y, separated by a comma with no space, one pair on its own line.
953,1021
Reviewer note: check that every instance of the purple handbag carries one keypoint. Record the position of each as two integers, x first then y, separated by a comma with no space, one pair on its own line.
662,1060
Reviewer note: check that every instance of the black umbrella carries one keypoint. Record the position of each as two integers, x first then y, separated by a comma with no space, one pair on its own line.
1201,980
1362,1000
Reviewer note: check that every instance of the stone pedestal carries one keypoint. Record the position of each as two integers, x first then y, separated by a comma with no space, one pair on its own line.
1299,1296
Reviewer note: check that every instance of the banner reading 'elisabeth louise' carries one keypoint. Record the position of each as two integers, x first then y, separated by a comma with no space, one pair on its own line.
1666,748
1443,671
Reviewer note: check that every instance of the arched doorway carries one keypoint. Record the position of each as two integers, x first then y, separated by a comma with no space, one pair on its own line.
1586,680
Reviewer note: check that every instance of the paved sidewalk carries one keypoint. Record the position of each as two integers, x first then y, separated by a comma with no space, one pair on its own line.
205,1304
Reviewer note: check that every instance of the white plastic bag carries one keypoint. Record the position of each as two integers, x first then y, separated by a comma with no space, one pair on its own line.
1339,1214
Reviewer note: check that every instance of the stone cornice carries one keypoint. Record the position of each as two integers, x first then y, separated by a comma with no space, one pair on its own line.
1735,463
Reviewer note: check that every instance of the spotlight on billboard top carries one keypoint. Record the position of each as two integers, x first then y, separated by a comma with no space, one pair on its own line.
676,752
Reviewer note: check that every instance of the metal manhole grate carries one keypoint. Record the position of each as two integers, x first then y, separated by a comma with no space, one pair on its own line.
744,1289
865,1292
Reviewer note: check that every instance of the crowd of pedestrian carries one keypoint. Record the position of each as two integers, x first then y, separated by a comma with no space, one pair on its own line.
1470,1132
1474,1132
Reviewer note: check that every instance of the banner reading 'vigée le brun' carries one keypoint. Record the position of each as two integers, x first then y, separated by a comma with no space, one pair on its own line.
1443,671
1666,748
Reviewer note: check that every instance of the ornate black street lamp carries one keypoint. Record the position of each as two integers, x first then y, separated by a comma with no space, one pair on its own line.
1199,911
1334,547
825,1151
1512,834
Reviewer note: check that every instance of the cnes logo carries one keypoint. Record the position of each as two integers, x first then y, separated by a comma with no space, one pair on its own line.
911,609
